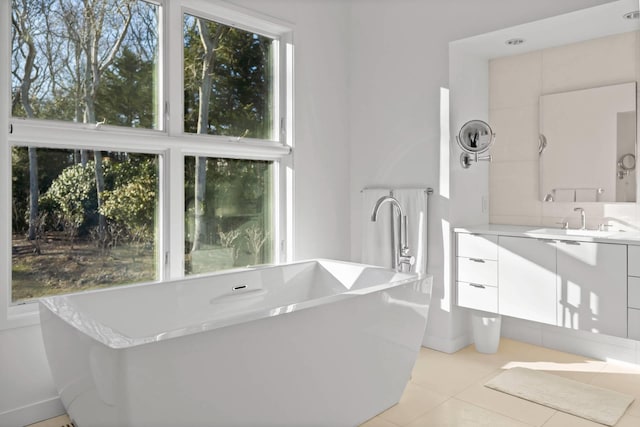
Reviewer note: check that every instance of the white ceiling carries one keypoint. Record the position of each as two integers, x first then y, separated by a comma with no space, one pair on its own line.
585,24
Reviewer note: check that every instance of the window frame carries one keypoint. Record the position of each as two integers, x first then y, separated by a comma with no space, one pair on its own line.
170,143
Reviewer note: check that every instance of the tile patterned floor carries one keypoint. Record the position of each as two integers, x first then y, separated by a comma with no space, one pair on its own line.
448,390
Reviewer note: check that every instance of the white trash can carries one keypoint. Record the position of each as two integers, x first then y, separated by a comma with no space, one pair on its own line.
486,331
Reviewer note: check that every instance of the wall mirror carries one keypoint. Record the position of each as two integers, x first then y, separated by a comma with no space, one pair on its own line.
588,145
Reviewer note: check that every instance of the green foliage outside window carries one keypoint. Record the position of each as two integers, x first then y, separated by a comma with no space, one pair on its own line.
236,67
83,219
236,224
68,253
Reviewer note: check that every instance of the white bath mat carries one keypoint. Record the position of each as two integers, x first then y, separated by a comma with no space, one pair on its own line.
573,397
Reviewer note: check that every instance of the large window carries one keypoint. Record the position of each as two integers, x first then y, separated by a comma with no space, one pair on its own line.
135,158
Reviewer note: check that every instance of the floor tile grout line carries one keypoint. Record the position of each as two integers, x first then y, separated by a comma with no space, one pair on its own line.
555,412
494,412
429,410
421,414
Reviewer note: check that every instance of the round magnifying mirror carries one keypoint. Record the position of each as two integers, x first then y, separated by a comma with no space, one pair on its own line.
475,136
627,162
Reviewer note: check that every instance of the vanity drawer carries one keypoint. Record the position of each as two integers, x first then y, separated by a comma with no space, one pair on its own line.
480,297
633,328
633,261
633,292
482,246
478,270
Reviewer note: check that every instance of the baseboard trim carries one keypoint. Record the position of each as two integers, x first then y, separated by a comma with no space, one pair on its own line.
596,346
32,413
446,345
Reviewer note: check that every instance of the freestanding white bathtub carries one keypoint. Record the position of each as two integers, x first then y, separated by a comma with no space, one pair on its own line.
315,343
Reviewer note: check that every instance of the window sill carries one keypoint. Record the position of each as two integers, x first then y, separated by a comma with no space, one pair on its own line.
20,316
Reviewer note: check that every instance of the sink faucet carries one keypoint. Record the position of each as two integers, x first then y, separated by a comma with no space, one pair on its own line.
583,218
402,261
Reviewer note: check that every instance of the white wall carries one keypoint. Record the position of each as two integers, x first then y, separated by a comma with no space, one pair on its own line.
26,386
398,64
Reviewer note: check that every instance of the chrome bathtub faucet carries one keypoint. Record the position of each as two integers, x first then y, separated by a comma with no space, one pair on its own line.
402,260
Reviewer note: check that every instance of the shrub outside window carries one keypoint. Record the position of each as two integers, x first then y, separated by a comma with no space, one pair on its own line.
79,243
92,159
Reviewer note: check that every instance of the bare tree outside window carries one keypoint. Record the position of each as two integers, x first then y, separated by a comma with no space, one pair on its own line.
75,60
80,54
228,91
86,218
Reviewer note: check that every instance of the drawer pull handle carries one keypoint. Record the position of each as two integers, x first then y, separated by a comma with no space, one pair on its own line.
570,242
546,240
475,285
476,260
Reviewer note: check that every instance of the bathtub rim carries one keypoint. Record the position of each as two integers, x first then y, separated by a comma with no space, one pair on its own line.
114,339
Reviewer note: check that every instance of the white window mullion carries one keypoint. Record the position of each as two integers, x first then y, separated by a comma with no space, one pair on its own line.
173,227
287,222
287,88
172,185
277,117
173,40
161,82
5,163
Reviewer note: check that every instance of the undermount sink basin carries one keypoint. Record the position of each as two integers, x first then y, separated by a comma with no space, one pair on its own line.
573,232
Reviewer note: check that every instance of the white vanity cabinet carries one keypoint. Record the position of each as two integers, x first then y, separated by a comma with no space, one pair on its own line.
477,271
633,310
527,278
592,287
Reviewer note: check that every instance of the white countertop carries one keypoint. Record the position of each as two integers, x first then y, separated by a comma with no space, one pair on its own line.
612,236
